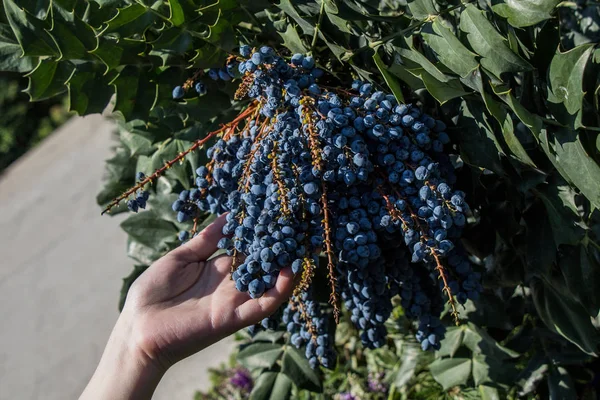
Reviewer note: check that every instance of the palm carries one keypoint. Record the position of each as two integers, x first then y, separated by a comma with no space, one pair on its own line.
185,304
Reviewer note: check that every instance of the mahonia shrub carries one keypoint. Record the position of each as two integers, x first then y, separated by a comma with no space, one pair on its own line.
428,168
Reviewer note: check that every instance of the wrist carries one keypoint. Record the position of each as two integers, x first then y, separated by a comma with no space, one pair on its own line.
125,370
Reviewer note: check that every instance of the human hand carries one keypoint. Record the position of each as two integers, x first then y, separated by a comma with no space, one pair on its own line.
178,306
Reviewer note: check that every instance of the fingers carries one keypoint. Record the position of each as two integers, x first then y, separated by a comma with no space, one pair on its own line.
204,244
254,310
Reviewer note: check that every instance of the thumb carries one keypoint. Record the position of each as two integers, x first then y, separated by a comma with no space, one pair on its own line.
254,310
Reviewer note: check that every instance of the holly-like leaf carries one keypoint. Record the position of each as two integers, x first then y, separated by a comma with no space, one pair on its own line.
565,77
478,143
272,386
177,13
582,276
496,55
48,79
500,113
450,372
560,384
297,368
292,40
88,89
264,386
389,78
522,13
142,254
565,316
71,41
480,342
260,355
541,249
449,49
451,342
289,9
11,58
409,360
581,169
30,32
130,20
562,212
534,372
135,93
421,9
150,230
442,91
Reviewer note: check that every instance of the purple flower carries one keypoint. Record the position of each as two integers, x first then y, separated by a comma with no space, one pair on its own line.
376,383
242,379
347,396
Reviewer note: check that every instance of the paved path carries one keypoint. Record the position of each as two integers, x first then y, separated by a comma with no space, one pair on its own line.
61,266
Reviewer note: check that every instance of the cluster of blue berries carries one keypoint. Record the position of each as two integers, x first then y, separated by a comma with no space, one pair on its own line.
141,196
350,176
226,73
308,327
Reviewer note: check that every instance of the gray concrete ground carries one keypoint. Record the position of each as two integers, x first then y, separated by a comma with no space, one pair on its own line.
61,266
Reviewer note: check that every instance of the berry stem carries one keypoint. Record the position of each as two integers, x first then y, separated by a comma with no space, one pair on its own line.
197,144
333,297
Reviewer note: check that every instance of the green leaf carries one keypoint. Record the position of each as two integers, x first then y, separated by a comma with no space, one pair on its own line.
562,212
488,393
296,367
481,369
582,277
560,384
532,121
272,386
541,249
268,336
48,79
406,76
131,20
534,372
565,316
177,14
580,168
264,386
522,13
410,358
148,229
10,53
89,90
70,43
290,11
389,78
479,341
136,94
292,40
451,342
421,9
449,49
420,60
565,77
282,388
479,146
142,254
493,48
29,31
500,113
442,91
260,355
450,372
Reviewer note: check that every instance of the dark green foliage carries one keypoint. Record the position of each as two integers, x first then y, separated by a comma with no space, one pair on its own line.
24,124
517,83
